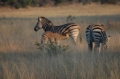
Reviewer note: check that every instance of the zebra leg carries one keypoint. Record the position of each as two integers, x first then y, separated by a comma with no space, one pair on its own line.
96,48
75,41
104,47
90,46
89,42
52,41
57,43
105,44
74,34
44,40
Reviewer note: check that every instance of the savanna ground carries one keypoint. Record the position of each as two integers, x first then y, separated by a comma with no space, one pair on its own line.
20,58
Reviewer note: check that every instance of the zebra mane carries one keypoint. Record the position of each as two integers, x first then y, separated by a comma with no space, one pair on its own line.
48,21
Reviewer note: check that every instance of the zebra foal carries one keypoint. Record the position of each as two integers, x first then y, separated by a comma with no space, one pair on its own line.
70,29
96,33
53,37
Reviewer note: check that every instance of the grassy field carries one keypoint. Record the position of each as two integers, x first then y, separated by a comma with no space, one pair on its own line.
20,58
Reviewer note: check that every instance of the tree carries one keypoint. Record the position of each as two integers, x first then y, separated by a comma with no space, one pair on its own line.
108,1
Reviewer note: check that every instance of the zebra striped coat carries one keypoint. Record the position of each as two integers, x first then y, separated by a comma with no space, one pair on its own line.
70,29
53,37
96,33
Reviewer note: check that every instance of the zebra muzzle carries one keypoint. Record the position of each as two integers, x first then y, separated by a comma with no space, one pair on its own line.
35,29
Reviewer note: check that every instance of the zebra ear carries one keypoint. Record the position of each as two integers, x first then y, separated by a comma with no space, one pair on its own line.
108,37
39,19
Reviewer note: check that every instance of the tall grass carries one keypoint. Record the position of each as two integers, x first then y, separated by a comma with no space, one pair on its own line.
63,66
20,58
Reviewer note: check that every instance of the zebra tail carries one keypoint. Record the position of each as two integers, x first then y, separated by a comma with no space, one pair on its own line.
91,38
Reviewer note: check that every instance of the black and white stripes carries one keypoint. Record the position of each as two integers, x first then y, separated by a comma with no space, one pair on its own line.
70,29
96,33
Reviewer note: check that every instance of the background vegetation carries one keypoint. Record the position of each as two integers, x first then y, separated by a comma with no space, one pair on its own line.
24,3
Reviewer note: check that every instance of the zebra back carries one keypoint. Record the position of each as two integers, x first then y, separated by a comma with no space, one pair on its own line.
96,27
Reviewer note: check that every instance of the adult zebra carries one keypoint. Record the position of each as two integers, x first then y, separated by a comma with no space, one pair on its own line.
96,33
69,29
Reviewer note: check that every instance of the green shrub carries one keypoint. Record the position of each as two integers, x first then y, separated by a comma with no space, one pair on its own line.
16,3
13,3
108,1
70,18
52,49
58,1
96,0
24,3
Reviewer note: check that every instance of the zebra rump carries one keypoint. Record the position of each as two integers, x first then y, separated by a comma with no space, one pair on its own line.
96,34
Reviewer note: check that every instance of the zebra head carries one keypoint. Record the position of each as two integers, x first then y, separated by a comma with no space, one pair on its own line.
106,45
38,25
43,23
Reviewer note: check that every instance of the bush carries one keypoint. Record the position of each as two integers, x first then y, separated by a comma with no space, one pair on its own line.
24,3
96,0
108,1
70,18
52,49
14,3
58,1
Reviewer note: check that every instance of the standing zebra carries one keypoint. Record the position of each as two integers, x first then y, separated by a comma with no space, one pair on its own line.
69,29
96,33
53,37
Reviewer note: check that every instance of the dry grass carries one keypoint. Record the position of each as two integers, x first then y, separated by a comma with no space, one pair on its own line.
20,58
65,10
63,66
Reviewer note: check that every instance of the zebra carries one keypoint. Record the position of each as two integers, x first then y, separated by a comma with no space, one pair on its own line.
70,29
96,33
53,37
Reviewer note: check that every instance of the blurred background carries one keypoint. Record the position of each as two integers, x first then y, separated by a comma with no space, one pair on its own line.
24,3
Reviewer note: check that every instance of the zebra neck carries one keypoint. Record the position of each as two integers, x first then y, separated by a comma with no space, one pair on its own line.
47,29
